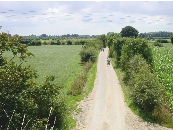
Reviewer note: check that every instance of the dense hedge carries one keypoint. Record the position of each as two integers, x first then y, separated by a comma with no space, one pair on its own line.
88,54
162,40
133,47
31,42
144,86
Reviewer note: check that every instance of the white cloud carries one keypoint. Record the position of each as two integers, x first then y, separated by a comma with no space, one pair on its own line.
84,17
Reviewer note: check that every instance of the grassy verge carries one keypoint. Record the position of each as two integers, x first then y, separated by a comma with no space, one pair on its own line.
72,100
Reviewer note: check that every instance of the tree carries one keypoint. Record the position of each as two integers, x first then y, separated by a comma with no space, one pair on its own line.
25,104
171,37
102,38
129,31
133,47
69,42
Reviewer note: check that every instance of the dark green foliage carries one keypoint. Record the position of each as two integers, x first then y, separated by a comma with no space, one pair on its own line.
171,37
53,42
14,86
79,83
118,44
45,43
58,42
133,47
69,42
97,44
144,86
102,38
129,31
162,40
133,66
49,96
142,35
63,43
110,38
145,90
24,104
25,41
158,44
153,35
88,54
35,43
81,42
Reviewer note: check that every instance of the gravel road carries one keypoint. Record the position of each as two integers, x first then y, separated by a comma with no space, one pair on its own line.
105,107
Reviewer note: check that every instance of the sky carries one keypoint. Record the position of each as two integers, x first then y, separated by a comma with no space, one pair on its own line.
84,17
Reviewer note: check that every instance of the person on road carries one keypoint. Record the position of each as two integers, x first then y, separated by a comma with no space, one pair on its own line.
108,61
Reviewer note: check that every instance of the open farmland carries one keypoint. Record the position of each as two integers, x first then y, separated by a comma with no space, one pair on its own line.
163,67
63,62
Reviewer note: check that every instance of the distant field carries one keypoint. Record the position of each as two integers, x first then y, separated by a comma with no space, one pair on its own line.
60,61
169,45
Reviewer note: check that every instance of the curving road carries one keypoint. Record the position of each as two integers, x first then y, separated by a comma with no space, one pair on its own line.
105,108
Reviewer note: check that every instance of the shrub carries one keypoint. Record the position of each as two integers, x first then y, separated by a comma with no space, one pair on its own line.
58,42
144,86
63,43
79,83
171,38
133,67
25,41
146,90
118,44
88,54
97,44
133,47
55,42
80,42
35,43
162,40
158,44
69,42
45,43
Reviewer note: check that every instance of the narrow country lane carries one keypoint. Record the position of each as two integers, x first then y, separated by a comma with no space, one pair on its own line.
108,109
105,108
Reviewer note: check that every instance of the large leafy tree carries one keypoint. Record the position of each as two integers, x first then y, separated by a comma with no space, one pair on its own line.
171,37
129,31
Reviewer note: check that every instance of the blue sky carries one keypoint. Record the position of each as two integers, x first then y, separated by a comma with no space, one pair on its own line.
84,17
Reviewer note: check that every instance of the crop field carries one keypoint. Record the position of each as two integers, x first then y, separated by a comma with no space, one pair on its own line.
163,62
63,62
168,45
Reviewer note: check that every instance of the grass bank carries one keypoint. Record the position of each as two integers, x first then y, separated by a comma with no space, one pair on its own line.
73,100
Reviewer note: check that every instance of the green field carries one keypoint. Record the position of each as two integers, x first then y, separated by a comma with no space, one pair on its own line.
60,61
163,68
168,45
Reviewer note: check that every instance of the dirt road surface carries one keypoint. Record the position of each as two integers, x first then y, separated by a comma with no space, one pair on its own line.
105,107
